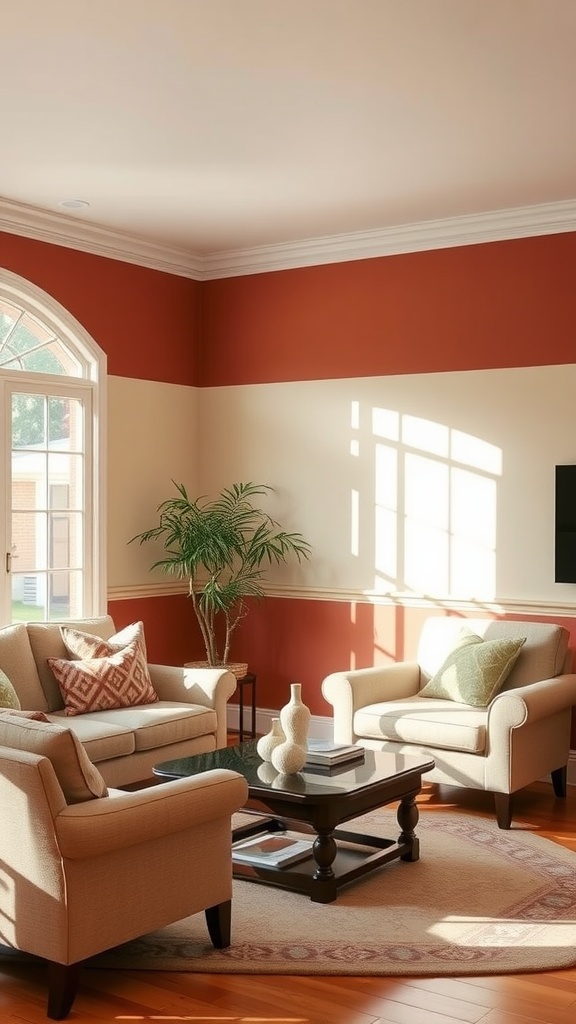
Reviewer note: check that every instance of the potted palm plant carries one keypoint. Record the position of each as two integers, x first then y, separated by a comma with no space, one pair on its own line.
222,547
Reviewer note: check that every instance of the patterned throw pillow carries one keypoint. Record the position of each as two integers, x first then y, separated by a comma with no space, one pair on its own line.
98,684
86,645
8,696
474,671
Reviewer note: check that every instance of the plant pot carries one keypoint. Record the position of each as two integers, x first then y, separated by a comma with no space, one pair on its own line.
237,668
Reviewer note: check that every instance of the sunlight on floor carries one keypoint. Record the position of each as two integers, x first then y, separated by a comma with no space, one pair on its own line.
219,1019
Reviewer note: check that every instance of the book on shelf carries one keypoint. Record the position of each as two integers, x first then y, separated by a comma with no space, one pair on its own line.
328,753
272,851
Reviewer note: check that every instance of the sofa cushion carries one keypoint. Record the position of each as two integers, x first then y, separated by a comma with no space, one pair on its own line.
78,778
104,735
45,641
94,684
17,661
88,645
429,723
474,670
158,725
8,696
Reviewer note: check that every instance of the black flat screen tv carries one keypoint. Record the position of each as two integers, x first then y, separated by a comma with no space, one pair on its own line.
565,525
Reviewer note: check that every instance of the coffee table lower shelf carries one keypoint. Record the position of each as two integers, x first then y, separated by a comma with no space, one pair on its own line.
335,859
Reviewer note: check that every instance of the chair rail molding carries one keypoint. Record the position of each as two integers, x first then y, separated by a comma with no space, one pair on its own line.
504,606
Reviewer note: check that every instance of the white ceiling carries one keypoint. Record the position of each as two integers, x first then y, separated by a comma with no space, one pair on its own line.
211,126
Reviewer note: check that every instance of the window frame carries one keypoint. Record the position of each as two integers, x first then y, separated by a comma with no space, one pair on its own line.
92,389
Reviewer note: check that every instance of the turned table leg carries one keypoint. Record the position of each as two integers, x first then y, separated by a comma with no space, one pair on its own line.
407,815
323,887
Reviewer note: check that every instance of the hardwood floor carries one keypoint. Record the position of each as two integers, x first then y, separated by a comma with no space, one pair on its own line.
126,997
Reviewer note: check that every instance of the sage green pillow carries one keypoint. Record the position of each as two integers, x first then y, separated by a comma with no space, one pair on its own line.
8,696
475,670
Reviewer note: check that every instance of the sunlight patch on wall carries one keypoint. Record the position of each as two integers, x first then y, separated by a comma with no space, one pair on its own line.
435,504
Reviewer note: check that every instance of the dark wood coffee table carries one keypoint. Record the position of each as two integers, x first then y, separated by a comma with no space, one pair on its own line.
317,803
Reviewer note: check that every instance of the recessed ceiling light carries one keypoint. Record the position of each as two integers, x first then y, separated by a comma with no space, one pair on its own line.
74,204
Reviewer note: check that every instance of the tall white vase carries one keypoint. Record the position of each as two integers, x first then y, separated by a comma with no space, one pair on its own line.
289,757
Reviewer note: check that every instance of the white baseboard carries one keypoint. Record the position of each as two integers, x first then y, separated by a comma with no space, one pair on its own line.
321,727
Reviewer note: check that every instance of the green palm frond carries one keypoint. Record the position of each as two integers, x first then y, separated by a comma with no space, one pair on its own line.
221,547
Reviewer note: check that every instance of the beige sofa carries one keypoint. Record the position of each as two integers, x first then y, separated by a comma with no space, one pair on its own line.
125,743
83,869
522,735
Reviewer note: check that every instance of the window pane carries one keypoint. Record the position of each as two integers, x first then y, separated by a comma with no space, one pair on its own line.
29,541
8,317
27,597
28,421
65,540
65,424
65,595
28,345
65,487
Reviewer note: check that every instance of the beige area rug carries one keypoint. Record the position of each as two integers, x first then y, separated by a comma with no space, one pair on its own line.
480,900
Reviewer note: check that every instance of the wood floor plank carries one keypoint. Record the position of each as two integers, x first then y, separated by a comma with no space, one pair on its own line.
362,996
461,988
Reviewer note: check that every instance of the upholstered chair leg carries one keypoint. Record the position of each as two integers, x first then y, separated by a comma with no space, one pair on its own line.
503,803
219,920
559,777
62,987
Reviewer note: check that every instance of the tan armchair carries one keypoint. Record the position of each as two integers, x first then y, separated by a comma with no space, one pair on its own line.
521,736
83,869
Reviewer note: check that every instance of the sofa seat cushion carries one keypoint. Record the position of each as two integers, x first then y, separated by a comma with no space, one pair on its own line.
102,738
163,723
78,778
425,721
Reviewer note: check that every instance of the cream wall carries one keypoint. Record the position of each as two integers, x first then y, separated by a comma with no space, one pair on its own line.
152,439
401,482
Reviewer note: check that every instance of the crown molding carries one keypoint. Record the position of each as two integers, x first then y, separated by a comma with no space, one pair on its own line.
62,229
472,229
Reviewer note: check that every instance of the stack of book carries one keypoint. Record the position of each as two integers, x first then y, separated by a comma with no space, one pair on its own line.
272,851
327,754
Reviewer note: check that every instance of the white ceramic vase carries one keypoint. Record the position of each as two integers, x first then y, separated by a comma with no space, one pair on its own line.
290,756
266,744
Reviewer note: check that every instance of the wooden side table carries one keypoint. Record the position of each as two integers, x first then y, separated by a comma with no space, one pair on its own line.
248,680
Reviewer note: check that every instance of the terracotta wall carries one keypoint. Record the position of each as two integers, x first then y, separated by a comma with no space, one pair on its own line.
146,321
493,305
505,304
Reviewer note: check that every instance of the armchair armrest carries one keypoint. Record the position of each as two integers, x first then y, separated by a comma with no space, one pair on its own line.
348,691
209,687
526,704
121,819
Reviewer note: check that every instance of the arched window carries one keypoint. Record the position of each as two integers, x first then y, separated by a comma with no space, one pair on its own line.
52,386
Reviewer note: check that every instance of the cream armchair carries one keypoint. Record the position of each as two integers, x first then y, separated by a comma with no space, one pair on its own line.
83,869
521,736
